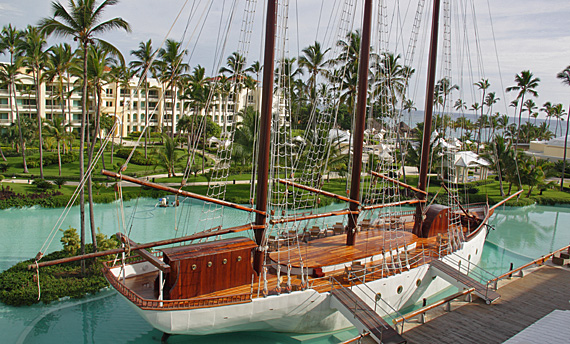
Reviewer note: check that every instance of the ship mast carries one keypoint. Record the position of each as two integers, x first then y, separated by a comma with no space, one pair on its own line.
359,123
265,131
428,110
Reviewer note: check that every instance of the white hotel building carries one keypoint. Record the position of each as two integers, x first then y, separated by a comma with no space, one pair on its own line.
126,104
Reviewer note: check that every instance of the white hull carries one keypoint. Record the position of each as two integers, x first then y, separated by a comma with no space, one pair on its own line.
309,311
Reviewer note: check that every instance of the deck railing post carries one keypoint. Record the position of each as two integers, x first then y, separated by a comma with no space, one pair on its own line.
160,286
123,261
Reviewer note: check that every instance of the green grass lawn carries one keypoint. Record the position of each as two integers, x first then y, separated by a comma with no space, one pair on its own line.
16,166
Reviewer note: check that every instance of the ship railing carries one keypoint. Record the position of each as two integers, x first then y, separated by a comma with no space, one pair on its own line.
393,218
133,259
519,270
397,263
172,304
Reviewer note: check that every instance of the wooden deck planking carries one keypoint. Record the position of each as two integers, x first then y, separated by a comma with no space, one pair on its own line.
143,285
522,303
369,243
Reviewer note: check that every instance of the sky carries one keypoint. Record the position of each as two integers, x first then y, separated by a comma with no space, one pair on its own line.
528,35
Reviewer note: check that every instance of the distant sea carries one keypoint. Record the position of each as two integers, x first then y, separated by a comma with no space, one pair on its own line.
417,116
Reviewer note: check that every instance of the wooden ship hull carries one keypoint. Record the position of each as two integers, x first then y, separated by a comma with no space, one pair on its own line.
387,280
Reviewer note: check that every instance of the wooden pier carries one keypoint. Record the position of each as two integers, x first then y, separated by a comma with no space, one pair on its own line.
522,302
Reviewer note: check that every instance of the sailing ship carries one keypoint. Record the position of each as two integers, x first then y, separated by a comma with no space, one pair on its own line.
279,273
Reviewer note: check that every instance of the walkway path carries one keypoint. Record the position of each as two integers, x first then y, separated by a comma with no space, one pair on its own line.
522,302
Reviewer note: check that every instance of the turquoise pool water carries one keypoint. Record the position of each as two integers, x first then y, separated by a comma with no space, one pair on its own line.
521,235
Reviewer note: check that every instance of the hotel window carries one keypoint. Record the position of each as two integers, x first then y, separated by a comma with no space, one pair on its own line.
250,99
231,107
109,104
109,92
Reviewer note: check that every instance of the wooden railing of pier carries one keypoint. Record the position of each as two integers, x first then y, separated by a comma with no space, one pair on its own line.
539,260
432,306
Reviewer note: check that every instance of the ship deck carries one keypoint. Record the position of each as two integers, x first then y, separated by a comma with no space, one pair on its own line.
332,249
144,284
348,265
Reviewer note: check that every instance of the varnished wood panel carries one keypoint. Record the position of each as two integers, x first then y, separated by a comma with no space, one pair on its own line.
209,267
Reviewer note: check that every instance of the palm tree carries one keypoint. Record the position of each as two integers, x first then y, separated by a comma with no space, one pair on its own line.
547,109
83,22
530,107
143,65
483,85
167,156
500,155
490,100
564,76
60,62
99,59
235,70
346,77
56,128
124,76
526,83
173,69
8,75
34,57
10,39
557,111
315,62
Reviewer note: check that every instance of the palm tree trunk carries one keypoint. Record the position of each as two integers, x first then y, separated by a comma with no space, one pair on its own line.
81,154
114,121
565,147
59,156
14,105
70,117
173,109
62,100
519,128
36,75
90,161
145,117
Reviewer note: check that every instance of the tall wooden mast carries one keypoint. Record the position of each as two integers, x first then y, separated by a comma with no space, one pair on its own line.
359,122
265,131
428,110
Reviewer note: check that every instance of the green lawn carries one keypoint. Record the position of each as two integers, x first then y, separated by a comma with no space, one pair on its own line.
16,166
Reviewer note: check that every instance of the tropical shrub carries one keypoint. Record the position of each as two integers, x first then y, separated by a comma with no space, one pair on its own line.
137,158
42,184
